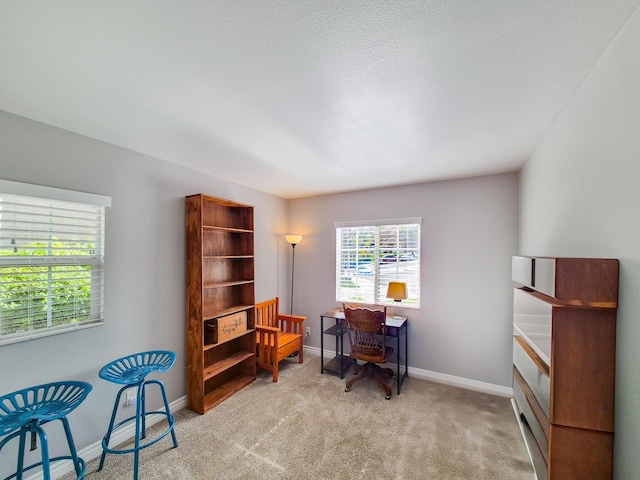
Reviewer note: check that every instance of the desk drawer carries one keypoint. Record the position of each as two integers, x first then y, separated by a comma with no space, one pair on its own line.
529,365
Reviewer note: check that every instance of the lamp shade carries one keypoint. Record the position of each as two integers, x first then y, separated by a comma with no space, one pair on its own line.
397,291
293,239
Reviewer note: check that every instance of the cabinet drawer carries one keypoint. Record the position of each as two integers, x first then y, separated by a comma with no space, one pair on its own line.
536,273
536,432
532,320
544,280
540,466
522,270
529,366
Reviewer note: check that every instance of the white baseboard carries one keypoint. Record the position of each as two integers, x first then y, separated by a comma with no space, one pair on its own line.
94,450
441,378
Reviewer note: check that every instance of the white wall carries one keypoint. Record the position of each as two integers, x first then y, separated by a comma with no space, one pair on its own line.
145,261
469,232
580,196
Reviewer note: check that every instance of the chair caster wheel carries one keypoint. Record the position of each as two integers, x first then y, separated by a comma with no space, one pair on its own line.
388,397
346,389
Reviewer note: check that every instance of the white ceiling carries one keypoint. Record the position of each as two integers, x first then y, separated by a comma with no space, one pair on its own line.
299,98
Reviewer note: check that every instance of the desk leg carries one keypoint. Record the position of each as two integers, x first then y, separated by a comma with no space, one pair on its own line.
321,344
341,354
400,377
406,351
398,361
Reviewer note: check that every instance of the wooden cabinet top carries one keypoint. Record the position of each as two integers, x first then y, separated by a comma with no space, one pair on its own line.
579,282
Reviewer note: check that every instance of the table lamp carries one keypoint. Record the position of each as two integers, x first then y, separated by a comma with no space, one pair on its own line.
398,292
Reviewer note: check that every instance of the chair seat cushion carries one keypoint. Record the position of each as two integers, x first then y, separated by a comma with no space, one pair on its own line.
369,354
285,338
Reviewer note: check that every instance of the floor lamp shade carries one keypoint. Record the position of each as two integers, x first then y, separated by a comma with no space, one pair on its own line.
293,239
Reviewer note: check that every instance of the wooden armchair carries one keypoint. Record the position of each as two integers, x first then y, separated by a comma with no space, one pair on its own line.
277,335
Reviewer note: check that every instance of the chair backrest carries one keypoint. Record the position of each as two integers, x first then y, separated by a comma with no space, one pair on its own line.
366,330
267,312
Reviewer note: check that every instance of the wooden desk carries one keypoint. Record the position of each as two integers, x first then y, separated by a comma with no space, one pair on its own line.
396,328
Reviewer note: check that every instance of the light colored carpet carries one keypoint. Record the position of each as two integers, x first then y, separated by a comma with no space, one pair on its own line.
306,426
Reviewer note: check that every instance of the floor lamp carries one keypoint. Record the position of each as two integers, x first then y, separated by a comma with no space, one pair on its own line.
293,240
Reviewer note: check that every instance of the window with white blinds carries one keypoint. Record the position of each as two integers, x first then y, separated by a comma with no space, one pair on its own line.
51,261
371,254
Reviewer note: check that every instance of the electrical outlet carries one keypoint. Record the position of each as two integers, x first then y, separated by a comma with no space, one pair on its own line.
130,398
307,331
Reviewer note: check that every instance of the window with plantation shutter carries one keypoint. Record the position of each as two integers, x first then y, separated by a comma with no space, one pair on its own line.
51,260
371,254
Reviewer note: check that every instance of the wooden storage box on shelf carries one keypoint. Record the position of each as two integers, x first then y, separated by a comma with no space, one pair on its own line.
225,328
230,326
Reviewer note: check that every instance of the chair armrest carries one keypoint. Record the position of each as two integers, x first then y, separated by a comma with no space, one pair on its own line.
266,339
292,318
291,323
265,328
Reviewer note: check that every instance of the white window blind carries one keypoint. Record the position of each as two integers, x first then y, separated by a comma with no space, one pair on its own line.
51,261
371,254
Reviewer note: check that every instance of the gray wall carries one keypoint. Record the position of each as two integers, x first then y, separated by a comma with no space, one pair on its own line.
469,232
580,196
145,260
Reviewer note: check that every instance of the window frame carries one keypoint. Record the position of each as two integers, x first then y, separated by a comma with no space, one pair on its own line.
60,265
373,270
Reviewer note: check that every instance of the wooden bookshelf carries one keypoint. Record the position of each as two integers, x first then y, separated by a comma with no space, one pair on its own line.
220,283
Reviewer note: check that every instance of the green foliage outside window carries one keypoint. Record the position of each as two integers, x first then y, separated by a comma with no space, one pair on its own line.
33,297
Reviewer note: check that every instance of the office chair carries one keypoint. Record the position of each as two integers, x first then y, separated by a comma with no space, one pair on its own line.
366,330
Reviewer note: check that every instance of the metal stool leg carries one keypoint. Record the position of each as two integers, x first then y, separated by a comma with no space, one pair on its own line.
107,437
170,417
31,428
72,449
143,410
21,447
140,424
44,449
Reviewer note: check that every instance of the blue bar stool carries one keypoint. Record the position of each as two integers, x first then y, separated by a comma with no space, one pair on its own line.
25,411
131,372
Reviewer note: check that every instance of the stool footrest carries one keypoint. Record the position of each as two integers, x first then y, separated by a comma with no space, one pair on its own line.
171,421
82,465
